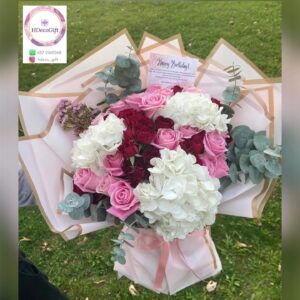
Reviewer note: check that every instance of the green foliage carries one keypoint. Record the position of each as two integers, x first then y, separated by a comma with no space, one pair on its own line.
233,93
250,155
98,212
125,74
77,207
118,253
227,110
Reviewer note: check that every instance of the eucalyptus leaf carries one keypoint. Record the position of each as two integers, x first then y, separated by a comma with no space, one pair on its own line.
233,173
224,182
227,110
232,94
117,221
241,135
255,176
235,78
230,155
112,79
249,144
98,214
101,76
122,61
273,152
111,98
119,242
140,220
269,175
87,213
258,160
273,166
127,236
132,72
244,163
135,87
108,70
121,260
118,251
261,142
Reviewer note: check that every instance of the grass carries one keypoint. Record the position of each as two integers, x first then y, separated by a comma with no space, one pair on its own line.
82,267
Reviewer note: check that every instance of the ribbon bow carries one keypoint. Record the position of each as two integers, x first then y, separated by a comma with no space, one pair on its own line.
151,241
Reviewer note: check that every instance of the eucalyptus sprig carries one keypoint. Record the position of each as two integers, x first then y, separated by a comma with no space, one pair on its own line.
233,93
134,222
251,156
125,74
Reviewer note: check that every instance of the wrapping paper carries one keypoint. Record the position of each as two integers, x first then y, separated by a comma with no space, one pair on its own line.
168,267
44,151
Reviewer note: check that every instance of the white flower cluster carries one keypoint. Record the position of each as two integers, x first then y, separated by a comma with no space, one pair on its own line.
181,196
97,142
196,110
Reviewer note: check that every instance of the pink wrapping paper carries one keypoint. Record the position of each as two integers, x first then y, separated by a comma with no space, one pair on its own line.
168,267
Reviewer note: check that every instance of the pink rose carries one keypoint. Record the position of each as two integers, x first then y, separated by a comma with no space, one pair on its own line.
104,183
86,180
214,143
217,166
167,138
155,88
118,107
152,102
134,101
123,201
188,131
113,164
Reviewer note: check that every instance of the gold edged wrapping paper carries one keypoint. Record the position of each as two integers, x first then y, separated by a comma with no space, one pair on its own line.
156,42
47,129
268,186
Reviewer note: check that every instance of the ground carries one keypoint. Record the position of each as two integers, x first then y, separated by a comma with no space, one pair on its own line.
82,268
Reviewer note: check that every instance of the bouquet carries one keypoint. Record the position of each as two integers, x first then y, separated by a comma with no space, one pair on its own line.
158,158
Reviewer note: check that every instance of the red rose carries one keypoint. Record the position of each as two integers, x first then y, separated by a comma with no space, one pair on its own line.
162,122
177,89
129,148
216,101
144,135
186,145
197,146
143,121
136,175
128,134
128,116
150,153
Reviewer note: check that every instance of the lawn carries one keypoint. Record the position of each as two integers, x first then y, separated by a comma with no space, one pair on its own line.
82,267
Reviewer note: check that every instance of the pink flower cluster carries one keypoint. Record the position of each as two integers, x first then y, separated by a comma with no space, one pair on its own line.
144,136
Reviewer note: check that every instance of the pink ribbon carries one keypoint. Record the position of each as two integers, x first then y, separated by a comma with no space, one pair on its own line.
156,241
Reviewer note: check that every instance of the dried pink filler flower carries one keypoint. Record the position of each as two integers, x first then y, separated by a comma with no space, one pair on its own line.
76,117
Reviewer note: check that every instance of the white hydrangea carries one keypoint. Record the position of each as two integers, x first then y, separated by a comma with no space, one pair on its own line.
97,142
196,110
181,196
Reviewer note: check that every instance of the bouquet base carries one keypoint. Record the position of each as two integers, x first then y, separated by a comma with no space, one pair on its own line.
168,267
